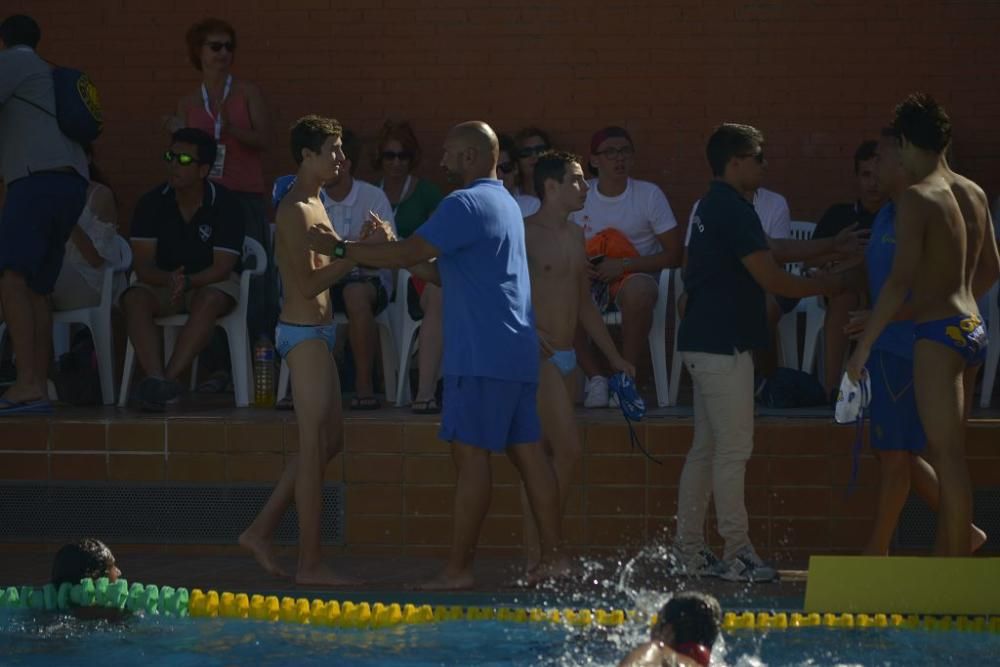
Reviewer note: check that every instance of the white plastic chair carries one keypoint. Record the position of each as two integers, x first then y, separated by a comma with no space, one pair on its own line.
406,329
234,325
657,338
97,319
676,367
993,351
788,325
384,322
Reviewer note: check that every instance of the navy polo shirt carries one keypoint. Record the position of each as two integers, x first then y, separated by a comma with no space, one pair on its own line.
217,225
725,310
841,216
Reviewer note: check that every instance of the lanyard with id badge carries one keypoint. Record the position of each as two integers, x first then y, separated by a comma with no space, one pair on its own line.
220,155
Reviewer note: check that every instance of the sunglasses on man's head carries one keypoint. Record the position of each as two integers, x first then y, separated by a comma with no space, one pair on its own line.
183,159
218,46
529,151
402,156
505,167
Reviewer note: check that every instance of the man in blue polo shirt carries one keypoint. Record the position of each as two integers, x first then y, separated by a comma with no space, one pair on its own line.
491,351
729,270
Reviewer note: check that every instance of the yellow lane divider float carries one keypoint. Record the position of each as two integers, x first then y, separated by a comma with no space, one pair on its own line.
178,602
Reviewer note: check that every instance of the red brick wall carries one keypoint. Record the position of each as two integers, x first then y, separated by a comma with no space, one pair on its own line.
816,77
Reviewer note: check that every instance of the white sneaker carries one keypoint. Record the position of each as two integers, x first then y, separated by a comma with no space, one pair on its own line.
596,392
746,565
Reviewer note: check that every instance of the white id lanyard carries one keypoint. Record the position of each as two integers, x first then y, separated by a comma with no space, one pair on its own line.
402,194
220,155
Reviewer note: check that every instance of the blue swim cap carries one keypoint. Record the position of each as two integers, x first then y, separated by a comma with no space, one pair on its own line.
632,406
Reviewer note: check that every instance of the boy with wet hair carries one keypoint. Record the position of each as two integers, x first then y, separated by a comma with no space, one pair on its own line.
685,631
88,558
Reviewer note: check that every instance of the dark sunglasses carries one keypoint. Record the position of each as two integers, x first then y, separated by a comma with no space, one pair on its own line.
183,159
505,167
218,46
402,156
529,151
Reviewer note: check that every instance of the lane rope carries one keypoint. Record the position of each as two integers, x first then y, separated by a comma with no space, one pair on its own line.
179,603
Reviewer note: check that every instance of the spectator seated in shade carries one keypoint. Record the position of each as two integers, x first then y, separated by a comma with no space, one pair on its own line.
187,240
685,631
365,292
838,217
413,200
640,212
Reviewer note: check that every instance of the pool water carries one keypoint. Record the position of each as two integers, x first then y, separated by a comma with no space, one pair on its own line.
27,638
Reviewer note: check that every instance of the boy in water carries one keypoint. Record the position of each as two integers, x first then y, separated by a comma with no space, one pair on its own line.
946,254
560,295
305,338
88,558
685,631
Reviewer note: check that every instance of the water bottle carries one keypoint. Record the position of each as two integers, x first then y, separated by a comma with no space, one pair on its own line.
263,373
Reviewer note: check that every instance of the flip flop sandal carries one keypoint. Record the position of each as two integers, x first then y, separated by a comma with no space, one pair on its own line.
366,403
428,407
39,406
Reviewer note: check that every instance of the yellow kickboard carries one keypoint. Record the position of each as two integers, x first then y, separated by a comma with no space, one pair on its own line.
903,585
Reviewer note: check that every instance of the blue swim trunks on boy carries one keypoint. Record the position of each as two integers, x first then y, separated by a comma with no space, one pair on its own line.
288,336
564,360
965,334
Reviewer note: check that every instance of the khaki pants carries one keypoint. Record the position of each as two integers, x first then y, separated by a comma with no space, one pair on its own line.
723,441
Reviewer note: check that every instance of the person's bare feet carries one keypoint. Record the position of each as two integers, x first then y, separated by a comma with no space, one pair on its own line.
263,553
448,581
550,570
978,538
321,575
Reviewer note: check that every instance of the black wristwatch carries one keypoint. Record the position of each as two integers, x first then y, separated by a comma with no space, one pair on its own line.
339,250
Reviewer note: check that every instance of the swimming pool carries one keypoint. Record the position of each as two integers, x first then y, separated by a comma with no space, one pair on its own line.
30,638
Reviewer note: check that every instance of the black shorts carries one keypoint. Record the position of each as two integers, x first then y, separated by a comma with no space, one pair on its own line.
39,213
337,293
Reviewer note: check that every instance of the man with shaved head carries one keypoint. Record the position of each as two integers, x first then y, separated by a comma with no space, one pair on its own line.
491,351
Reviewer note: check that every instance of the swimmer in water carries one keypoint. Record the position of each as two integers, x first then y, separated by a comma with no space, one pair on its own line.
88,558
685,631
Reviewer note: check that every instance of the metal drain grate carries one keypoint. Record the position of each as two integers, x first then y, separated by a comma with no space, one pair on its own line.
918,524
150,513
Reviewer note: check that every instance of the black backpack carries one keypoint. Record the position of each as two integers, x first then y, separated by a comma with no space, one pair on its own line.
77,380
790,388
78,107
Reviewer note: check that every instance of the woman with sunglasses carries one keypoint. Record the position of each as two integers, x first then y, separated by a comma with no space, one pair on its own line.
509,171
531,142
413,199
232,110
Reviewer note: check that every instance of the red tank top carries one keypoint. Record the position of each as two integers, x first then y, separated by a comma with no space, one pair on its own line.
243,170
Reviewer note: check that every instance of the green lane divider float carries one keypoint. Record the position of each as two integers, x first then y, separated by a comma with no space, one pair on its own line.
178,602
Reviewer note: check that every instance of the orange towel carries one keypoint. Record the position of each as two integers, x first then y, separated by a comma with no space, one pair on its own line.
612,243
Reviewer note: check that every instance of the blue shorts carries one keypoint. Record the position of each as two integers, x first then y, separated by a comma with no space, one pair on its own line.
564,360
288,336
895,422
39,213
489,413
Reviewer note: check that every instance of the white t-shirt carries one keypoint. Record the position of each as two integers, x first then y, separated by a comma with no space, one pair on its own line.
640,213
348,219
772,209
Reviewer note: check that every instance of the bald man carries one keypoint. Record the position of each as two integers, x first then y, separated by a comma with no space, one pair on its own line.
491,351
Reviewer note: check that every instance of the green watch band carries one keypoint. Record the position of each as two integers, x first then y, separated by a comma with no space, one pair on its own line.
339,250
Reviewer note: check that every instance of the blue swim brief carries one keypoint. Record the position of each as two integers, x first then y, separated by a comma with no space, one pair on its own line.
965,334
564,360
895,423
489,413
290,335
